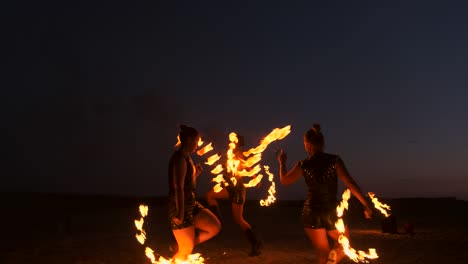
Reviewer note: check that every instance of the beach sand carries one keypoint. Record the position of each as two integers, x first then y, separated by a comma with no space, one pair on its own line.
40,228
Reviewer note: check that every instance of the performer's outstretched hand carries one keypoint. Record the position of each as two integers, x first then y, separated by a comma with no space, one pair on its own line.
282,156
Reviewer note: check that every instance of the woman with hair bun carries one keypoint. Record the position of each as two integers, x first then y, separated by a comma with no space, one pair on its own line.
321,172
190,222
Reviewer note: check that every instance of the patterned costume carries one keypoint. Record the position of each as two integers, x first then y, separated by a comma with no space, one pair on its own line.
236,192
191,206
319,210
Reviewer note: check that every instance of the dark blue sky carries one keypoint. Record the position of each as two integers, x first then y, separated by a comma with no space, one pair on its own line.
93,92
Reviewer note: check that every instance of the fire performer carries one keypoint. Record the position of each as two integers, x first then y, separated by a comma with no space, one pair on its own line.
321,172
235,192
191,223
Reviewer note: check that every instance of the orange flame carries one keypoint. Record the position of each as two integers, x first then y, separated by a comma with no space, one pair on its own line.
276,134
253,182
211,160
178,142
272,190
141,237
379,206
248,165
205,149
218,169
354,255
218,187
200,142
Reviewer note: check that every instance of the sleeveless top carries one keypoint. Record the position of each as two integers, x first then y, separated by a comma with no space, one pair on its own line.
189,181
321,179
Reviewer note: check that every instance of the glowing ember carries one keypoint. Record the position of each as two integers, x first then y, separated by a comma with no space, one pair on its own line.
356,256
272,190
141,237
378,205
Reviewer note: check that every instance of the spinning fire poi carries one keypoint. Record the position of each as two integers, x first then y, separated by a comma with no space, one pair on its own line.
233,166
229,177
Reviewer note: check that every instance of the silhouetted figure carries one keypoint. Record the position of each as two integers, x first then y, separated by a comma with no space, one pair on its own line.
235,192
191,223
321,172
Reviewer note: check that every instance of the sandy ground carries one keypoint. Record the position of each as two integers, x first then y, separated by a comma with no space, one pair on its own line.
98,230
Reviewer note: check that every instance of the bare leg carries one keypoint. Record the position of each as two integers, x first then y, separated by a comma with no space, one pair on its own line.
319,240
207,225
211,196
185,240
334,234
238,215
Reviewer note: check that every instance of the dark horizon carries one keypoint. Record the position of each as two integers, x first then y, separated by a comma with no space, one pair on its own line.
94,92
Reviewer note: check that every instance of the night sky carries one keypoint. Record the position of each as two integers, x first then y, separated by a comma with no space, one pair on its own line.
93,92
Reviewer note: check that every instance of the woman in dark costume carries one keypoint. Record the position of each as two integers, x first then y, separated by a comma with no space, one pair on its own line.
235,192
191,223
321,172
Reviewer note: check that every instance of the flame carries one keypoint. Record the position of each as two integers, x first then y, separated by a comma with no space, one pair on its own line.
200,143
249,173
354,255
205,149
276,134
253,182
378,205
211,160
218,179
253,160
246,166
141,237
218,169
217,188
178,142
272,190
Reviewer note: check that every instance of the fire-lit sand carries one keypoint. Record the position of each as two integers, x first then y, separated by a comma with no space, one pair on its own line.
83,230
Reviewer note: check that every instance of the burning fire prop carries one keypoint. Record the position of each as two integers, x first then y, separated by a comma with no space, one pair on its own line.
356,256
141,233
383,208
247,166
141,237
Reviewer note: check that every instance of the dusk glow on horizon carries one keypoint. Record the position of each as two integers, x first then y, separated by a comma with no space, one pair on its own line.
93,95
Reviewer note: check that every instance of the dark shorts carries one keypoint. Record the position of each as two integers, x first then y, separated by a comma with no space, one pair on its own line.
190,212
319,217
236,193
